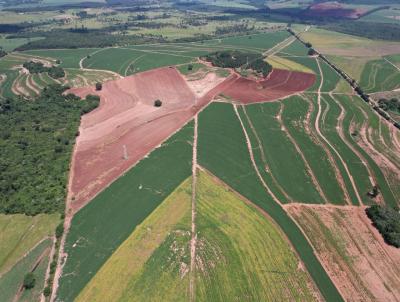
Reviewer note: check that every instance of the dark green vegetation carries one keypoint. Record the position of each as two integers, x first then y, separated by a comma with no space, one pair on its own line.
370,30
390,105
29,280
238,59
36,143
220,133
37,67
100,227
387,221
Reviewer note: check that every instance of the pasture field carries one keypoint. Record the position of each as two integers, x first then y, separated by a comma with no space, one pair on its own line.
11,281
395,59
10,44
234,246
353,66
288,64
379,75
94,234
350,247
331,78
281,157
220,133
20,233
138,261
300,126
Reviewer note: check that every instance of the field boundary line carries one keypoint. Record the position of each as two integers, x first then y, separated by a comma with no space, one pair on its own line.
193,240
316,125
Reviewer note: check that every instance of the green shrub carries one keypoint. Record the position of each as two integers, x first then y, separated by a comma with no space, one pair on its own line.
29,281
387,221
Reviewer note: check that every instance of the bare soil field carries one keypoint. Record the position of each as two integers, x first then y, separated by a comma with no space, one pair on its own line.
335,10
127,126
359,262
278,84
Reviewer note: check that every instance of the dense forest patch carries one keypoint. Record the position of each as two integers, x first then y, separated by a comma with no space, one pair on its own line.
238,59
387,221
36,143
37,67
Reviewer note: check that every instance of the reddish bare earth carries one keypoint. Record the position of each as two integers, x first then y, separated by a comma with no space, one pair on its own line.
127,120
334,10
362,266
278,84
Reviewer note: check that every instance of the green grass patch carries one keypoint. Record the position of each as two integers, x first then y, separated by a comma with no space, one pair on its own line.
379,75
296,48
20,233
107,221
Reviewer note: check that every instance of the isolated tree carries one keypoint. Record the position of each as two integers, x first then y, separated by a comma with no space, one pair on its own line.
190,67
99,86
29,281
157,103
308,44
312,52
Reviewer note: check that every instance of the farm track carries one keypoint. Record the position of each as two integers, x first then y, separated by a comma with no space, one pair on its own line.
193,241
316,125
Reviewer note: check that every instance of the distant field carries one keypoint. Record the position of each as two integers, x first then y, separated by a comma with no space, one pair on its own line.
296,48
10,44
94,233
288,64
353,66
234,246
136,267
379,75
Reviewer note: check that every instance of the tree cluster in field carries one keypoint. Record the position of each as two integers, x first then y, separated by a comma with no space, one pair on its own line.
36,143
387,221
2,52
238,59
390,105
55,72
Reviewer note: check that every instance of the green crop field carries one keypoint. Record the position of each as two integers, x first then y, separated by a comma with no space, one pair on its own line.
99,228
234,246
379,75
11,281
138,263
220,134
331,78
311,64
281,157
20,233
294,117
296,48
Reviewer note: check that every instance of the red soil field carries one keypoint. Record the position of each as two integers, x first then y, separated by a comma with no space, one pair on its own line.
127,120
334,10
278,84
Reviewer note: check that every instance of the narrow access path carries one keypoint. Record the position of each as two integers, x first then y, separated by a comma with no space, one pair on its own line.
193,225
316,125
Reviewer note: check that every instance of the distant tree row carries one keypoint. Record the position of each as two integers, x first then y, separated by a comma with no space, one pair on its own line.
392,104
36,141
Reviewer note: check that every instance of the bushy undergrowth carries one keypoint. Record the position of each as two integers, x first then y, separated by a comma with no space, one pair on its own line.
238,59
387,221
35,145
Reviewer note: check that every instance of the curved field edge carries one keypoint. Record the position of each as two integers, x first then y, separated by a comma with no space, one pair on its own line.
128,265
350,246
220,133
241,254
101,226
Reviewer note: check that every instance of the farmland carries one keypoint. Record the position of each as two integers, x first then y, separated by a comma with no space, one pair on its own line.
94,235
187,181
350,246
233,244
